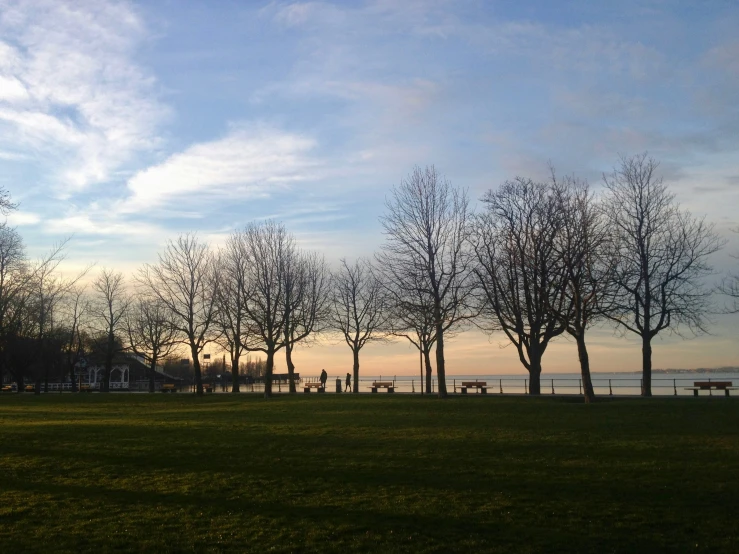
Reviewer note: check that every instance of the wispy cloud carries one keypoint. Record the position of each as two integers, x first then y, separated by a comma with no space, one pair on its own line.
250,161
70,90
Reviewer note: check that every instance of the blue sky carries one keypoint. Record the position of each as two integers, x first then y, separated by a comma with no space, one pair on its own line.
125,123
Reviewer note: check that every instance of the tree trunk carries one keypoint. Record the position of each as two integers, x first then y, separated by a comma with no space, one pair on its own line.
534,374
269,366
355,370
429,369
290,366
646,351
152,374
235,384
587,382
440,367
196,370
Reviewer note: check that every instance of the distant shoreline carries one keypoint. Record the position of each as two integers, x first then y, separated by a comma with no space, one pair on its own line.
674,371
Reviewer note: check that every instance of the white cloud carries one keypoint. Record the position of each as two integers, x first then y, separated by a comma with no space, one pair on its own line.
249,162
23,218
69,90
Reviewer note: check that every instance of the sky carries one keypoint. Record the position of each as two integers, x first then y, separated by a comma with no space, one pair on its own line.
123,124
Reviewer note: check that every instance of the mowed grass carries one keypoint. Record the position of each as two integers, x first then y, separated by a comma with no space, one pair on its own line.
380,473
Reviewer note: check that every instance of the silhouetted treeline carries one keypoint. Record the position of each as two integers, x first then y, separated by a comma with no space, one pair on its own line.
537,261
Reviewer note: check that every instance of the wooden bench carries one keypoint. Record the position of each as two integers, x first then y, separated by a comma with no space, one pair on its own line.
7,388
481,386
30,388
85,388
389,385
170,387
318,386
207,387
711,386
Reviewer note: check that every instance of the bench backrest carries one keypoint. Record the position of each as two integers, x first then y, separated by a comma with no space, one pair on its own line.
712,384
474,384
383,384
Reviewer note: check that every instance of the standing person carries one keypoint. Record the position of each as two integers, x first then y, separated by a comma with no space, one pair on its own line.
348,387
324,378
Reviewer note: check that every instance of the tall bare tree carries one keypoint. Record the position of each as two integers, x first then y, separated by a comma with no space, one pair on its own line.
232,320
582,247
270,250
662,257
730,287
519,270
306,302
152,332
411,316
184,281
110,305
357,308
426,227
75,310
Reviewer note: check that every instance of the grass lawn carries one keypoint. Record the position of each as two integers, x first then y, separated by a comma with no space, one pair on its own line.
382,473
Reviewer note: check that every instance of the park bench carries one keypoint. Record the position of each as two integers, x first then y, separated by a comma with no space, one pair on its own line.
207,387
85,388
389,385
711,386
7,388
30,388
482,386
170,387
318,386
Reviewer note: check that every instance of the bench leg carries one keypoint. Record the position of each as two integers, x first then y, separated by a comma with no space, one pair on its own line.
695,393
306,390
463,390
483,390
726,391
390,389
374,389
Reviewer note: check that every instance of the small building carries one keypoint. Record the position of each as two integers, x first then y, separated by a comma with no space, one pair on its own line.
128,373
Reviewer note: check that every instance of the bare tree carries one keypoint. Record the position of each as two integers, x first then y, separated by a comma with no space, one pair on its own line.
582,250
110,305
730,287
662,257
75,311
411,316
152,333
306,300
427,227
183,281
357,307
232,320
270,251
518,268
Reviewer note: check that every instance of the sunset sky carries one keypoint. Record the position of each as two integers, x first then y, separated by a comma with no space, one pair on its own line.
123,124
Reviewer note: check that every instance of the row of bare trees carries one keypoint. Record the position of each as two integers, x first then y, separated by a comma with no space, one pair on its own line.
538,260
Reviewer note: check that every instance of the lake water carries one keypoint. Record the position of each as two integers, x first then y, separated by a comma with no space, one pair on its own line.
605,384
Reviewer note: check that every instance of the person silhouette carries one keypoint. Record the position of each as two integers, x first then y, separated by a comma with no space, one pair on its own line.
324,378
348,387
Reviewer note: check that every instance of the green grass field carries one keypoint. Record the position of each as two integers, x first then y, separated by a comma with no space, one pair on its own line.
380,473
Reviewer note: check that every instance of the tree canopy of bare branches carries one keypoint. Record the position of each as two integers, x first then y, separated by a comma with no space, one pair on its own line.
307,288
110,305
152,332
426,251
518,268
357,308
582,247
270,250
662,257
183,281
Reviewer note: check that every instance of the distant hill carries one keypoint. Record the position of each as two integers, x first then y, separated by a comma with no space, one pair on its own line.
728,369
